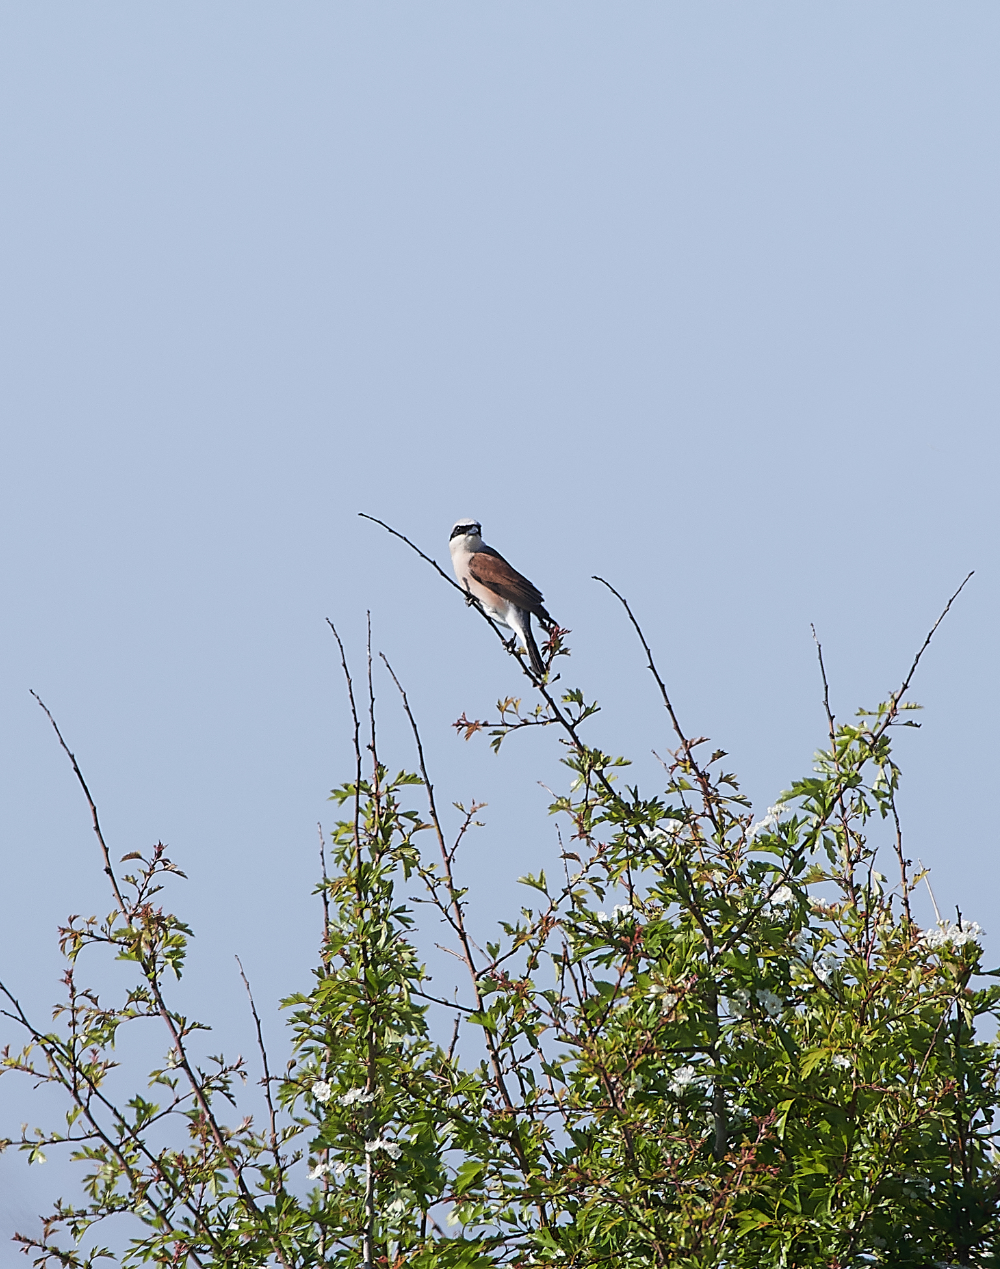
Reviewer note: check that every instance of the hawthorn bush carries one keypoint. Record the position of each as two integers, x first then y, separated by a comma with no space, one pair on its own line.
713,1040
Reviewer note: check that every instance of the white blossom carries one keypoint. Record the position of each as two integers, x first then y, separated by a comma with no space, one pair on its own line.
956,935
320,1170
738,1002
356,1095
825,966
685,1077
623,911
390,1147
774,813
782,897
322,1091
802,944
770,1002
840,1060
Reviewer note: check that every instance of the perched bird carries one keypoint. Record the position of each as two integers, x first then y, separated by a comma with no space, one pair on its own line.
507,596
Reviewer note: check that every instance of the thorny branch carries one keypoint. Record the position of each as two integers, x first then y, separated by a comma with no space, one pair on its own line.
266,1081
147,963
457,914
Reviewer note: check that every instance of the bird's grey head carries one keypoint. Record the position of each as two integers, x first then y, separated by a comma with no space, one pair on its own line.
468,526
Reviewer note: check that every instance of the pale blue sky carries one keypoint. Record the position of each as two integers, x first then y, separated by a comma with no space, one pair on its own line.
701,297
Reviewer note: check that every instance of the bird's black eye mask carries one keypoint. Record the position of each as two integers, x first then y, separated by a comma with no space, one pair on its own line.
459,529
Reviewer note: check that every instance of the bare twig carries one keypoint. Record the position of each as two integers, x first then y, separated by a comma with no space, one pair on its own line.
325,894
454,1036
437,1000
458,916
469,599
266,1081
368,1233
433,563
357,743
898,696
826,686
93,808
903,861
687,745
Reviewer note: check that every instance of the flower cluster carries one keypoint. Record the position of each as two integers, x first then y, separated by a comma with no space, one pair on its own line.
357,1095
947,934
739,1002
774,813
684,1078
390,1147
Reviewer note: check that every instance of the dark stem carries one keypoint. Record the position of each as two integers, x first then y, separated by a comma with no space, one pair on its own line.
266,1081
325,894
826,688
458,917
93,809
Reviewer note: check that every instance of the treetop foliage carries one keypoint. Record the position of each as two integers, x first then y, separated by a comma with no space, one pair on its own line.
711,1040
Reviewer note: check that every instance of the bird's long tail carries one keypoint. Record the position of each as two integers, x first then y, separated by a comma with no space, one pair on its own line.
534,656
520,621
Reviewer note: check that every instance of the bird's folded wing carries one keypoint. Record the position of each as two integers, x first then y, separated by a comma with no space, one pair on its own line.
492,570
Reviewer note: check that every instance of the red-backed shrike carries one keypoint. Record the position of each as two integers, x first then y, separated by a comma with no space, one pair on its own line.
507,596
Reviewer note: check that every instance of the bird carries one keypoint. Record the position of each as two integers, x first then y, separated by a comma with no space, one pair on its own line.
506,596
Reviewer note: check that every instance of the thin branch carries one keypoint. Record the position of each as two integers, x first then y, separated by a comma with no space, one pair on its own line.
437,1000
368,1233
898,696
826,687
469,599
93,807
458,922
903,861
454,1036
357,743
266,1081
371,711
324,894
686,744
375,801
433,563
